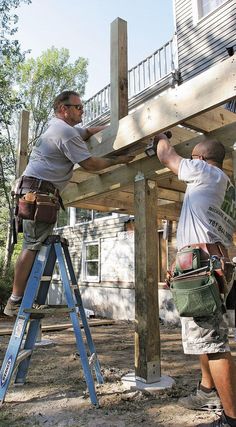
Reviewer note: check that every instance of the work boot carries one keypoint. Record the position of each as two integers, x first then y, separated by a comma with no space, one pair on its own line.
201,401
12,307
221,422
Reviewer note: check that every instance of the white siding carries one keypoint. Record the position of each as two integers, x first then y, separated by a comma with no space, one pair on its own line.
203,44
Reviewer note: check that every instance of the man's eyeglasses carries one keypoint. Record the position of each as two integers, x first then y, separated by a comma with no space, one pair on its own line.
77,106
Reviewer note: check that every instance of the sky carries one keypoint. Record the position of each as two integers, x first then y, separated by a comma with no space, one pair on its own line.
83,27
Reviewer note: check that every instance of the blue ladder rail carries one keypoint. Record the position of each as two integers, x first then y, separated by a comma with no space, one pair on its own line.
18,354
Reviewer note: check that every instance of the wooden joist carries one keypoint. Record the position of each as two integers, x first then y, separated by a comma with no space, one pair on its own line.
204,92
125,174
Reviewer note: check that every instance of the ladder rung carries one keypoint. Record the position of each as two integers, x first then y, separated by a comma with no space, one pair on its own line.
45,278
23,354
50,311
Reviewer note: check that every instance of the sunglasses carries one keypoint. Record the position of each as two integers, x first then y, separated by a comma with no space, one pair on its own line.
77,106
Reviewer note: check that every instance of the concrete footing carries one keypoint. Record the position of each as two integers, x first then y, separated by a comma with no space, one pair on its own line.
132,382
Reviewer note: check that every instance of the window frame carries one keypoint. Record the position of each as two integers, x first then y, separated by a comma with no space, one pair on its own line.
85,261
196,11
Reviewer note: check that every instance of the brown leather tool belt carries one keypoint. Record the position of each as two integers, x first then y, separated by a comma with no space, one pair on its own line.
29,183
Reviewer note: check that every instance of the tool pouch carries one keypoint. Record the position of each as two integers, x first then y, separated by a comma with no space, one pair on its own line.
38,207
47,208
193,284
196,294
26,206
187,259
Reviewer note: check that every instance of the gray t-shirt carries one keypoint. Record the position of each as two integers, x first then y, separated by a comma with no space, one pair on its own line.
55,153
208,214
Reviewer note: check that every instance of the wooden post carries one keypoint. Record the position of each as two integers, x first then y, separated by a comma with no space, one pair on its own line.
119,71
147,334
22,156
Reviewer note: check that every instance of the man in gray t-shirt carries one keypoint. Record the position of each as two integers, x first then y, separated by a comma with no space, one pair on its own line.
49,169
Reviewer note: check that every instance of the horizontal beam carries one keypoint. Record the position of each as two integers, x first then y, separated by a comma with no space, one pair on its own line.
209,89
211,120
124,175
170,211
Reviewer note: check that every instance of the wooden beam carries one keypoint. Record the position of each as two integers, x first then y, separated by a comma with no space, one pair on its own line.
170,211
147,333
22,151
119,72
202,93
124,175
211,120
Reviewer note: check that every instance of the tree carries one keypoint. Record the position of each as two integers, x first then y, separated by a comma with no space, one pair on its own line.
38,82
42,79
10,58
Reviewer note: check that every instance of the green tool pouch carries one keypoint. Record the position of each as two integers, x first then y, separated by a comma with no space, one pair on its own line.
193,285
196,295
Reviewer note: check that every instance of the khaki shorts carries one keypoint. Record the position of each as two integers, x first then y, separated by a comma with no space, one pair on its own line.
205,335
35,233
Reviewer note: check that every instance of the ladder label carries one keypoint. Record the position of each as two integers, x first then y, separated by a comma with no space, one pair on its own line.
42,253
19,327
6,371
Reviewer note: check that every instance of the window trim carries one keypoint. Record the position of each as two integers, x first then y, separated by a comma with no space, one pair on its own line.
87,278
195,11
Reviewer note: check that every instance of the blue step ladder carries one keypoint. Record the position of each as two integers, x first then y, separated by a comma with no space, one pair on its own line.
19,351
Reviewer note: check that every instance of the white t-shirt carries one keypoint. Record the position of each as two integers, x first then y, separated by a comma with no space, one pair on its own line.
208,214
55,153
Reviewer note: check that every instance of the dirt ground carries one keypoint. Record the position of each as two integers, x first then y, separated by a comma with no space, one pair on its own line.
55,393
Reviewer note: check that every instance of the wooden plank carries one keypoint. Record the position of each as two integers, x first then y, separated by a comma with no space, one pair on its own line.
208,90
124,175
119,72
22,150
147,333
170,211
211,120
62,326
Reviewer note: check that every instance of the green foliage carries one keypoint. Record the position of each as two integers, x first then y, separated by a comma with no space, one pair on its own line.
7,279
10,58
40,80
31,84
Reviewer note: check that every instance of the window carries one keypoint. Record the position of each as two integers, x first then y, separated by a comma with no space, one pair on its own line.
91,262
204,7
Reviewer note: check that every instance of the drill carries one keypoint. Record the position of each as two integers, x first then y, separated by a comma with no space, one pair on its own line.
151,149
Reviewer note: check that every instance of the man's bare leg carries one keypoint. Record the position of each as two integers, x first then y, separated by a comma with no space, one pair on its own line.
223,371
22,270
207,380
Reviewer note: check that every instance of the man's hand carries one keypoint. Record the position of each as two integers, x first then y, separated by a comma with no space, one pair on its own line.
99,163
123,159
167,154
160,136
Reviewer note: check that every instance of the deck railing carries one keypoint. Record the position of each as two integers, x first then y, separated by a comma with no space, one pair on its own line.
143,75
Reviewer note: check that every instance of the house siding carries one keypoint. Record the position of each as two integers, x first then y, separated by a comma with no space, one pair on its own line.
203,44
114,295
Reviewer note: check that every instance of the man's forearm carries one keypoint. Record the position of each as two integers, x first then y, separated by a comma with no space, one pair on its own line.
99,163
91,131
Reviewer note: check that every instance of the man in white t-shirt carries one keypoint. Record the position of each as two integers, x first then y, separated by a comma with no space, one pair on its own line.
208,216
49,169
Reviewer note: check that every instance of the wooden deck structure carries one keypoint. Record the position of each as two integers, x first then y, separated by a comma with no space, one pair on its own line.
144,188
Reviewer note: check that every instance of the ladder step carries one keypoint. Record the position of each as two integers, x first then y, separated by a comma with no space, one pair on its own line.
23,354
49,311
45,278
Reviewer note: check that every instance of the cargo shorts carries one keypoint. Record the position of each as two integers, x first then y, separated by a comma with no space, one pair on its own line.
35,233
205,334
